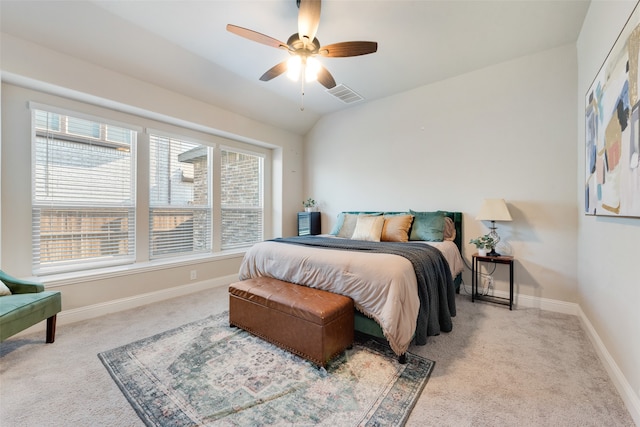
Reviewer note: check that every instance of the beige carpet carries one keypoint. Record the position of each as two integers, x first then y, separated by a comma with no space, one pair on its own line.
497,368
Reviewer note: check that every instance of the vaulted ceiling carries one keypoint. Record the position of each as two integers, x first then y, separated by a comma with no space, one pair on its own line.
184,46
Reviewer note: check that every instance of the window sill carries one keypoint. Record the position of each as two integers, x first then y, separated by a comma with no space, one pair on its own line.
63,279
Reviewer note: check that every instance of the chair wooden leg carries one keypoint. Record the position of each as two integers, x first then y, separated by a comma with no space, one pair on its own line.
51,328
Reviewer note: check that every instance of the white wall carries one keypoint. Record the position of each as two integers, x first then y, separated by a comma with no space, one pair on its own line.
608,248
67,82
505,131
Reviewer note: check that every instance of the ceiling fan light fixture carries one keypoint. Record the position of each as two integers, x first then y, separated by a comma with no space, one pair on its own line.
294,67
304,46
311,69
306,66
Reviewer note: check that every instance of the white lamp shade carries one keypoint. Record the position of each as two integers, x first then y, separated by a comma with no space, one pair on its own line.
493,210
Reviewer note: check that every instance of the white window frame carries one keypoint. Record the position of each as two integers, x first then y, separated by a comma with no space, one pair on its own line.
124,116
207,209
38,205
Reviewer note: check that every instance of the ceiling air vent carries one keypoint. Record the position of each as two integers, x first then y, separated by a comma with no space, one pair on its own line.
344,94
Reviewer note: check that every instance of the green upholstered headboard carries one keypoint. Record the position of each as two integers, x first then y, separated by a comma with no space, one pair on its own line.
455,216
457,221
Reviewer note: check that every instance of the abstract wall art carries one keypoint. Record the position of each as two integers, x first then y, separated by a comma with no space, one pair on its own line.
612,121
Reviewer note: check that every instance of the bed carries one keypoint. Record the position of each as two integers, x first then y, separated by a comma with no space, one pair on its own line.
402,269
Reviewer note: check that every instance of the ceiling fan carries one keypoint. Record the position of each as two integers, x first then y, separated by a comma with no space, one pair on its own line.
304,47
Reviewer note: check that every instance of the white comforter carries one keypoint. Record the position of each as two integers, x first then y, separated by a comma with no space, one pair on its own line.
382,286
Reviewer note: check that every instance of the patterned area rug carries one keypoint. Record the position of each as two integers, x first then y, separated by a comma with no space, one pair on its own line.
208,373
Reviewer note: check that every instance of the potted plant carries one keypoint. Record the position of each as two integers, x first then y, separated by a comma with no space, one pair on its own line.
309,205
483,244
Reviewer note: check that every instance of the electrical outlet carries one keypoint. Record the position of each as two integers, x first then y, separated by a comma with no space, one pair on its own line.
193,275
490,280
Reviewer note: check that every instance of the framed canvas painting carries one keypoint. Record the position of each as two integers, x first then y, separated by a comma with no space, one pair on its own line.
612,133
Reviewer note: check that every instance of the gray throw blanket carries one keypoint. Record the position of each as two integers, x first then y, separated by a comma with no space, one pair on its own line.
435,284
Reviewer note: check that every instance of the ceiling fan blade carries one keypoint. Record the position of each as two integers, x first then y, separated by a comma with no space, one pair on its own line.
325,78
274,71
256,36
308,20
344,49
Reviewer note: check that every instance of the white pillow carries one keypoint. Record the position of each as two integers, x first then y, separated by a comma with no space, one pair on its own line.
4,290
368,228
348,225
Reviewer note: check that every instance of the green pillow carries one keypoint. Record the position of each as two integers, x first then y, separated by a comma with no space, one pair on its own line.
427,226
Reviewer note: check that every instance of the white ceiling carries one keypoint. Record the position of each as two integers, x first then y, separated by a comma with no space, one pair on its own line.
184,46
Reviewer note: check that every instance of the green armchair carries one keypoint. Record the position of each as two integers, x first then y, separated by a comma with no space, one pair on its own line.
27,305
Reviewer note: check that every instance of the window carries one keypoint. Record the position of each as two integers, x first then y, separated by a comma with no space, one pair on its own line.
83,194
242,196
84,186
180,201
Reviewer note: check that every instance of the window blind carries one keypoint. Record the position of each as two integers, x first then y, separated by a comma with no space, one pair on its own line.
179,199
83,193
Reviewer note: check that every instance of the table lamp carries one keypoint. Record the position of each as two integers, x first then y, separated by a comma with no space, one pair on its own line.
493,210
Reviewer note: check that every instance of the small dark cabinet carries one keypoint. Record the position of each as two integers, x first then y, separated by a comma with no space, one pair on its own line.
308,223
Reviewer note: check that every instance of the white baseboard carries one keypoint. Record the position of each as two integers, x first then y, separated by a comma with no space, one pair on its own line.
547,304
630,398
535,302
89,312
